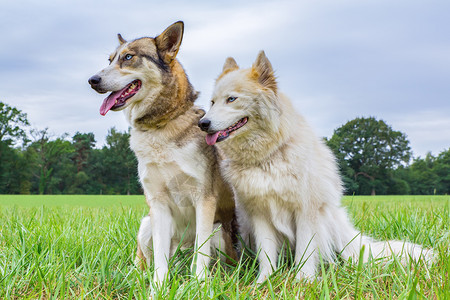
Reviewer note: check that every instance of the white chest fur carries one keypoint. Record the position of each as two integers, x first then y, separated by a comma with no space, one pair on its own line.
169,172
270,193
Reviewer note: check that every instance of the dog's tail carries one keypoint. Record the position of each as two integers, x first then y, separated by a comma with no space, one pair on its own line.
403,250
350,243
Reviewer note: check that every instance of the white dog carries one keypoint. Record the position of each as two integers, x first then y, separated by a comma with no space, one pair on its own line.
285,179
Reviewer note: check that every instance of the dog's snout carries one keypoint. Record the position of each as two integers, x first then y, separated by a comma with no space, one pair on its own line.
204,124
95,80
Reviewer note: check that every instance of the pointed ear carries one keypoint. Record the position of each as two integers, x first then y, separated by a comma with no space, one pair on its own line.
263,72
168,42
121,39
229,65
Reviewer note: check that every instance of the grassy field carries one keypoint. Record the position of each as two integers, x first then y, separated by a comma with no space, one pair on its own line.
82,247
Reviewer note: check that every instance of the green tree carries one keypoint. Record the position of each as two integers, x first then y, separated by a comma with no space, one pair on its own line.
421,176
96,172
13,175
82,176
120,164
46,155
83,143
12,123
367,150
429,175
442,170
10,163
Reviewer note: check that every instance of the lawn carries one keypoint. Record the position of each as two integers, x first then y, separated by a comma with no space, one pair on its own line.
75,247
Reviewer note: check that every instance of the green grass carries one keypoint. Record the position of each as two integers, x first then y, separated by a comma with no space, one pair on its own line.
70,200
82,247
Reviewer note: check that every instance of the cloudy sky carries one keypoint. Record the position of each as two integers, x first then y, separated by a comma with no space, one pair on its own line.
337,60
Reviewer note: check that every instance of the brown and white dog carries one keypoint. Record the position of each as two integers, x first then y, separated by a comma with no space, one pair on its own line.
178,171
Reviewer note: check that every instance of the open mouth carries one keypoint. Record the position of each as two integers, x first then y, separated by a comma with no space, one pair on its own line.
218,136
118,99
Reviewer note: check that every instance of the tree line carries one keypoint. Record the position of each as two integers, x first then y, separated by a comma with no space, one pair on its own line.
373,159
35,162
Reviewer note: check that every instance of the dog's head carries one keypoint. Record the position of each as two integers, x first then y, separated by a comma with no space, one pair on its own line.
137,68
243,101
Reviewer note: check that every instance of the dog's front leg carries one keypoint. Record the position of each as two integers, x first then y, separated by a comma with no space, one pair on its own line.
305,248
245,226
204,218
162,226
266,245
144,244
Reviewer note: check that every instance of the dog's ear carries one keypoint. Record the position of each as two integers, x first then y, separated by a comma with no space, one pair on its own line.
121,39
168,42
229,65
262,71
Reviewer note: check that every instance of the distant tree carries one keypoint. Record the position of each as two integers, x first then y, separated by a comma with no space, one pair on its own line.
46,155
85,178
10,160
367,149
83,143
96,172
442,169
13,167
429,175
422,178
398,183
120,164
12,123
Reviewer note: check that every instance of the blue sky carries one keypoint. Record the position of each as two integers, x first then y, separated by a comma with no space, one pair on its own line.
336,60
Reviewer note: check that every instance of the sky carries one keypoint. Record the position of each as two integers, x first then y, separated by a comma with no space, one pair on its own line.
336,60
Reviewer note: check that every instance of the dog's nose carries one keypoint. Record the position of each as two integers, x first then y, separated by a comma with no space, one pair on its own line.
204,124
94,80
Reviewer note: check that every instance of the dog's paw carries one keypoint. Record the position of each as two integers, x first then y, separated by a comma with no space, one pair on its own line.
263,275
140,263
153,294
262,278
158,278
199,270
201,274
300,276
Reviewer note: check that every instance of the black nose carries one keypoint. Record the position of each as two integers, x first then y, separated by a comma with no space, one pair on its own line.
204,124
94,80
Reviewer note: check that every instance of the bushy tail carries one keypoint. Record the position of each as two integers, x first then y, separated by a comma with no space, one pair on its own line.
402,249
405,251
352,241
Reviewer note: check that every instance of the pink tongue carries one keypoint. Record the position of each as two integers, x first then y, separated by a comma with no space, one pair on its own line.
109,102
212,138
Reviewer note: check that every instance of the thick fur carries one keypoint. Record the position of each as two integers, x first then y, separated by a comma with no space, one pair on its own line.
178,171
285,179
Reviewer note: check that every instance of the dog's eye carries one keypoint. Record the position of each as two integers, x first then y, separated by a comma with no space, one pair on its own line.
128,57
231,99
